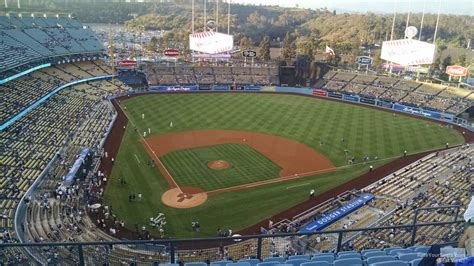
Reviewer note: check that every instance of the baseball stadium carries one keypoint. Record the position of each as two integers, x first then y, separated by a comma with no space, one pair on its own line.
204,152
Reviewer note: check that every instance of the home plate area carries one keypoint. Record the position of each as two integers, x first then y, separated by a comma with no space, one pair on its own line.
185,197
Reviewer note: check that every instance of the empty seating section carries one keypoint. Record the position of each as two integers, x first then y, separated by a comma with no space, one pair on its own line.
24,40
212,75
26,90
429,96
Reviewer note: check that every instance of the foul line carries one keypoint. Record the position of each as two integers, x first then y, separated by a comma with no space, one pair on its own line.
300,185
154,154
138,160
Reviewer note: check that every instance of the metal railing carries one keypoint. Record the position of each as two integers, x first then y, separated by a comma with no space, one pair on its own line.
174,246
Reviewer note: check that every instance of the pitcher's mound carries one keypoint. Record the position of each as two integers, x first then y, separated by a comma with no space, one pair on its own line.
185,197
218,165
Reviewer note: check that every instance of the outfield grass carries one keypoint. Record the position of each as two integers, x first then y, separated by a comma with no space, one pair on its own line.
189,167
366,132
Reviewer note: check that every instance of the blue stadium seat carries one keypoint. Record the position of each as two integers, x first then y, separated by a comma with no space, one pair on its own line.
348,262
396,252
238,264
328,258
372,260
390,263
365,251
221,263
294,257
387,250
316,263
195,264
296,262
347,252
269,263
422,249
415,262
274,259
408,256
169,264
374,254
349,255
251,261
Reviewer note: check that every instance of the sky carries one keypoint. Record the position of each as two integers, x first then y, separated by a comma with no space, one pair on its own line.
458,7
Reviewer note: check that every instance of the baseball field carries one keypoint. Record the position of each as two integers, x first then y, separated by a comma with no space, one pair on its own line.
233,160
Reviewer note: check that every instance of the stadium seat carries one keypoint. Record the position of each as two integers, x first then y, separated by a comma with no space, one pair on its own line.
269,263
395,252
328,258
239,264
372,260
296,262
374,254
349,255
221,263
316,263
251,261
274,259
294,257
195,264
408,256
387,250
415,262
347,262
169,264
347,252
422,249
390,263
365,251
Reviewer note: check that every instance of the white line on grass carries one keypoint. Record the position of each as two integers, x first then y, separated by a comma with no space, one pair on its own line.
138,160
297,185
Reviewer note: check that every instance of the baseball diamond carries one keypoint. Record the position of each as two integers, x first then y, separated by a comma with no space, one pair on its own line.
340,142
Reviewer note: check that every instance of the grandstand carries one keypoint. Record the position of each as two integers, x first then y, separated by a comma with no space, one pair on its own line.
33,40
212,75
428,96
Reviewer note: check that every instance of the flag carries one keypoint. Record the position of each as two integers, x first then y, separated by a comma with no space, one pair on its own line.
329,51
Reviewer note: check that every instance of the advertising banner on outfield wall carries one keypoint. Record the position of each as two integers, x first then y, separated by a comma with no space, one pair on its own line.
422,112
211,42
334,95
320,93
408,52
174,88
350,98
333,216
220,87
367,100
384,104
252,88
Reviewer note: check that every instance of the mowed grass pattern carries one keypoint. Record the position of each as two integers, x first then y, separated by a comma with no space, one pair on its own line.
189,167
308,120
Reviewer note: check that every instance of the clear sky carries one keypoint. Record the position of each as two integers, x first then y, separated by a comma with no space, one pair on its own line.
459,7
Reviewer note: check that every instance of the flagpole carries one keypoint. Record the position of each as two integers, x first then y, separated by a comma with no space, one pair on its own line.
394,18
192,15
408,15
437,22
205,15
217,15
422,20
228,17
